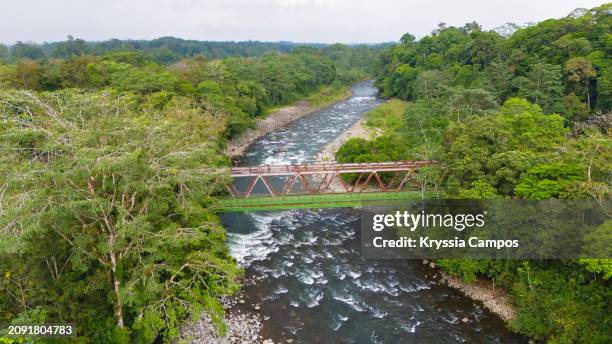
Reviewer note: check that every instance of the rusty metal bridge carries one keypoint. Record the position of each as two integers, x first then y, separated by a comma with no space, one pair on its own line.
323,182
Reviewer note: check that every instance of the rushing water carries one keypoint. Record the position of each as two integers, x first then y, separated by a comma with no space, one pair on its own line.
307,274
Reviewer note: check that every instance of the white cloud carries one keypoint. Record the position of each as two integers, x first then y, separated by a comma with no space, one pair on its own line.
268,20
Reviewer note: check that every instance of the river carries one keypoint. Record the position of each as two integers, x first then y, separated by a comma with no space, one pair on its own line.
304,266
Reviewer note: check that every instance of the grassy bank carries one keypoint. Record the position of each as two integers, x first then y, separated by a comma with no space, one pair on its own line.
388,116
387,120
328,95
324,96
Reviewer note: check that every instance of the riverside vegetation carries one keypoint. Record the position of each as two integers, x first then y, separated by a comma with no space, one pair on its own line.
104,217
107,174
522,114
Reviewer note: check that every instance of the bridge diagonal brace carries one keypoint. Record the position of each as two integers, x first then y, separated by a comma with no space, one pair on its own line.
305,182
356,182
329,181
289,184
343,182
323,182
404,180
268,185
379,181
232,190
363,186
251,186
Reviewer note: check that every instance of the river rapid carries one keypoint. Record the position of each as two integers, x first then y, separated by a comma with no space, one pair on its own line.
303,267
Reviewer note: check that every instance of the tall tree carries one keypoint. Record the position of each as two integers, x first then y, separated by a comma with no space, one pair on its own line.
498,77
113,229
431,84
581,72
27,74
542,85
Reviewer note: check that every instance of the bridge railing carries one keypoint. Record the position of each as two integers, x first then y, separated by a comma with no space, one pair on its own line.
323,178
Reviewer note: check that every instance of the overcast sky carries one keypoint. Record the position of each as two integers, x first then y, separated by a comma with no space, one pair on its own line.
347,21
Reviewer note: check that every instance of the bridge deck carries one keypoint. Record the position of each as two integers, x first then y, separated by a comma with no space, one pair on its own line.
317,201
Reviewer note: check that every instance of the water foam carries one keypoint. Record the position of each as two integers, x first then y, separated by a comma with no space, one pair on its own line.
257,245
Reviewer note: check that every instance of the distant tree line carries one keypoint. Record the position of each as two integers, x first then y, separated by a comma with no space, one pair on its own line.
163,50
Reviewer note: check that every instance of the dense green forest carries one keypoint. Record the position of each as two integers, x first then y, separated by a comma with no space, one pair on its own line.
109,162
166,50
241,87
112,152
524,116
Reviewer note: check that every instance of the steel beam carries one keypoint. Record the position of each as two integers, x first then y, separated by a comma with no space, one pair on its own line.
323,175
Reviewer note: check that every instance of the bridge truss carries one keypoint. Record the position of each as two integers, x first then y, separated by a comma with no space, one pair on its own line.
324,178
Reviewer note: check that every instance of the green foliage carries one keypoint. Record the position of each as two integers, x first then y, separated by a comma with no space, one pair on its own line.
529,64
580,73
455,78
22,50
542,85
472,269
479,189
599,266
388,116
548,180
597,244
106,201
502,148
242,88
169,50
561,305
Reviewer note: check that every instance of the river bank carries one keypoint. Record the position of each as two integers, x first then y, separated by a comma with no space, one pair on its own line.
494,299
243,326
358,130
285,115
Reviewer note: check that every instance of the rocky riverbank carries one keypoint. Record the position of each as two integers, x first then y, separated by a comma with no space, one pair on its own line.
358,130
494,299
243,320
242,327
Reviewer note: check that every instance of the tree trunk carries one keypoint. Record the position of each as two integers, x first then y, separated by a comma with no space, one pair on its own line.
115,281
118,308
588,98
